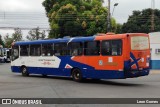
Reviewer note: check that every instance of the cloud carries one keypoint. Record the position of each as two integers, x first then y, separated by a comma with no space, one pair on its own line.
21,5
23,14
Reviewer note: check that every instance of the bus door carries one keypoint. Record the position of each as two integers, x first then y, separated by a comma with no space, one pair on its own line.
61,51
92,54
140,52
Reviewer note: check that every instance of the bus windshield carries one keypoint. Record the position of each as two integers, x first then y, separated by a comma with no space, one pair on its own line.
139,43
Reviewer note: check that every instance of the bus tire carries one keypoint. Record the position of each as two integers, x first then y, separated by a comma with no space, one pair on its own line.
44,75
77,75
24,71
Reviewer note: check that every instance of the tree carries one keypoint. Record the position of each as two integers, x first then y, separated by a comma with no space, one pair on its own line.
36,34
140,21
1,41
119,28
8,41
76,17
17,35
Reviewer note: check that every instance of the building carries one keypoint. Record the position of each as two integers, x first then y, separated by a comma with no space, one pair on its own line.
155,50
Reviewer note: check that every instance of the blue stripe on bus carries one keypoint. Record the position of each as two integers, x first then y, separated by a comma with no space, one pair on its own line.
83,39
135,61
128,64
97,74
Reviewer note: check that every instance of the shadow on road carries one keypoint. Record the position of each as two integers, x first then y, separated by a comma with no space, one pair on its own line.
114,82
46,77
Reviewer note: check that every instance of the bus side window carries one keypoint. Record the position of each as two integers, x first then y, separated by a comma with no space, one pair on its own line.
35,50
111,47
116,47
24,50
75,48
106,50
60,49
47,50
92,48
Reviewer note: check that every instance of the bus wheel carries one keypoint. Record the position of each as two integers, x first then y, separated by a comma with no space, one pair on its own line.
77,75
24,71
44,75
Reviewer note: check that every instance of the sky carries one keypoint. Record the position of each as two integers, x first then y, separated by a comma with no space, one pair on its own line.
21,5
26,14
125,8
31,13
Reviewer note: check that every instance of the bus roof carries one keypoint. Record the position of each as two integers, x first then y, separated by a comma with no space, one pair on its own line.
78,39
60,40
118,36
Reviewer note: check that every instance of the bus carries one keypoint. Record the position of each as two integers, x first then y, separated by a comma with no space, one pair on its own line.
1,54
7,55
102,56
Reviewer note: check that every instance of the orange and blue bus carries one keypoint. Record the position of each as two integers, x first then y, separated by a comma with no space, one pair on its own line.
102,56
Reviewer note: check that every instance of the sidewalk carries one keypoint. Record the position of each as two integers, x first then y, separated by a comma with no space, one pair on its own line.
154,71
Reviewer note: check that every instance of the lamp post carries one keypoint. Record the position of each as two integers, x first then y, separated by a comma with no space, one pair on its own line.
116,4
109,15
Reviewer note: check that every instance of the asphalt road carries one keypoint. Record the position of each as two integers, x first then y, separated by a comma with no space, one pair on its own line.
13,85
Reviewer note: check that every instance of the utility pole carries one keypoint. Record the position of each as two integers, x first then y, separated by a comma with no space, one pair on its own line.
109,17
152,16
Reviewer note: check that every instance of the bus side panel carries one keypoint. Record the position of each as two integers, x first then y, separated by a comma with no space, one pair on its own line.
96,74
35,70
102,62
42,70
16,69
103,67
65,66
127,51
104,74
